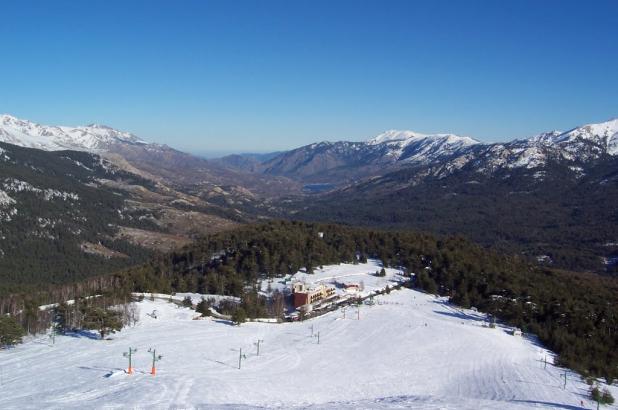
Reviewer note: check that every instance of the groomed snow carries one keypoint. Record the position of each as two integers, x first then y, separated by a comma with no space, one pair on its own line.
409,350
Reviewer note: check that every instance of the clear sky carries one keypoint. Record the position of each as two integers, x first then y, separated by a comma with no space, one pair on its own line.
261,75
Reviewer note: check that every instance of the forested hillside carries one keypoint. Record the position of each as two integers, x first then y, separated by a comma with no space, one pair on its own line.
562,214
576,314
51,204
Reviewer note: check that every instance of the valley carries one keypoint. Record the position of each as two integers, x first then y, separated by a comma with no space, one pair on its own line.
130,216
309,205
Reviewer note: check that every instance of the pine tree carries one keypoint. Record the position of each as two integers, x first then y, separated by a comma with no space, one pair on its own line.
10,331
60,320
239,316
104,321
203,307
187,302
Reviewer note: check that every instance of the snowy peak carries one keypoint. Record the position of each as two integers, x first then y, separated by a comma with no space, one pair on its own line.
406,137
415,147
545,137
603,129
394,136
7,119
604,134
93,137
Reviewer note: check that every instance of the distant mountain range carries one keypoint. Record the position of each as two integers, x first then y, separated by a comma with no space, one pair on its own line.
346,162
325,162
76,202
151,160
551,196
91,138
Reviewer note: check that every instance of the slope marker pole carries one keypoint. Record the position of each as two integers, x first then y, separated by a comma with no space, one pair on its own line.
129,354
155,359
240,357
258,345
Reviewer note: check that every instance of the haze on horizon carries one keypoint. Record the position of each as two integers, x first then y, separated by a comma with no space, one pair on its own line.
250,76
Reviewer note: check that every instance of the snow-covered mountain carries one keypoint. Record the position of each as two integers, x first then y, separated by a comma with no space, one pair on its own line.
415,147
344,162
150,160
603,137
577,147
539,196
90,138
337,163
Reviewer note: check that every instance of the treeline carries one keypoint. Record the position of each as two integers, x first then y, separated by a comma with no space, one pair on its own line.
98,303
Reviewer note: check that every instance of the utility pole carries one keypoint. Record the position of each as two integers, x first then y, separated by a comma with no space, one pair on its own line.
240,357
258,345
565,380
318,336
129,354
155,359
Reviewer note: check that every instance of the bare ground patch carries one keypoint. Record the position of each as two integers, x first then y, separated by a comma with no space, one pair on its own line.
98,249
160,241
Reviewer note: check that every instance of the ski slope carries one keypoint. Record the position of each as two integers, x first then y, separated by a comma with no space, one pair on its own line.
409,350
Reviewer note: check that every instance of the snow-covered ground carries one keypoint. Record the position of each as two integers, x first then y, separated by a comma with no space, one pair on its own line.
409,350
363,274
195,297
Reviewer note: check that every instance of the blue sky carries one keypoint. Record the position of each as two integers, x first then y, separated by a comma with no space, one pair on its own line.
267,75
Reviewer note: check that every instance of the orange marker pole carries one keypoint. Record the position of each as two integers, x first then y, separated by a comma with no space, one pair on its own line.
129,355
155,359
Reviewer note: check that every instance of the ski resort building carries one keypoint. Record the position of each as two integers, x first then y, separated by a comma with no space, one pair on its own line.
307,294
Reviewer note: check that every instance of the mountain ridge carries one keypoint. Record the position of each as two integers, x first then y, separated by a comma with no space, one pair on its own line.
339,162
343,162
156,161
546,195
